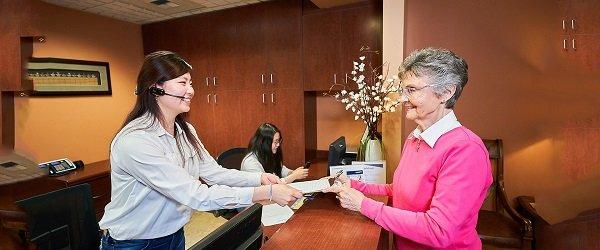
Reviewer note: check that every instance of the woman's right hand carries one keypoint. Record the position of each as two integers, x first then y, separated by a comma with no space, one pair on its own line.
283,194
298,173
279,193
340,182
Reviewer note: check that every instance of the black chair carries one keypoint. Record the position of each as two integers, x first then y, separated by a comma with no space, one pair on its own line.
244,231
232,158
499,225
62,219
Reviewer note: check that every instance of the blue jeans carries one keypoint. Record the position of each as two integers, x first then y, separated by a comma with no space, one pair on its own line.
175,241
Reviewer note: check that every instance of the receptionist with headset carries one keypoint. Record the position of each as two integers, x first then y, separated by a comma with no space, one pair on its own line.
156,159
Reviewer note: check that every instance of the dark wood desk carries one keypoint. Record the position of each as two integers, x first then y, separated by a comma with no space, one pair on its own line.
322,223
96,174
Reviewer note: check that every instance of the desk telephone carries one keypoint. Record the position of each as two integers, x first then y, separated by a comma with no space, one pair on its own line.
58,167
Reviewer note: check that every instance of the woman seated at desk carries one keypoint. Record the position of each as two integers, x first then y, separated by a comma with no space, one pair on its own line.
156,160
265,155
444,173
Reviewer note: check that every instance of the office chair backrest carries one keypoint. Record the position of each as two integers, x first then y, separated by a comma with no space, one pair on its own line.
62,219
244,231
232,158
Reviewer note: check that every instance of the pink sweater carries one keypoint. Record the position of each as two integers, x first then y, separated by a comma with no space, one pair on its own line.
436,193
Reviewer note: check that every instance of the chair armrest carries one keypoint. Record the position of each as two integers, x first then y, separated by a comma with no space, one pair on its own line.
526,206
525,223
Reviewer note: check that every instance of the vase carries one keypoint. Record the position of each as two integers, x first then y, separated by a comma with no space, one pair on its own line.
370,147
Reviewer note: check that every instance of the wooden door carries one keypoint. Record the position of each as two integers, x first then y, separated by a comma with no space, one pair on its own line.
253,112
586,16
286,112
224,49
321,49
252,62
199,44
227,113
201,116
283,32
361,28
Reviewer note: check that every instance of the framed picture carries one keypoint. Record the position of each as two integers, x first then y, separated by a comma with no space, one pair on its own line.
56,76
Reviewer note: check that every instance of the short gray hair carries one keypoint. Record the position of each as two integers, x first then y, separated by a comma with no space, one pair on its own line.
442,67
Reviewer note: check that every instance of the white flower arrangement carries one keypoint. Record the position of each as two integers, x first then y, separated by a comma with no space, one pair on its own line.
372,96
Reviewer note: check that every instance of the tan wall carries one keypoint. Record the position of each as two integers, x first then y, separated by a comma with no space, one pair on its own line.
334,121
524,90
80,127
393,45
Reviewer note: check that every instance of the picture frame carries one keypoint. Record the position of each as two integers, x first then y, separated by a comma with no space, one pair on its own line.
57,76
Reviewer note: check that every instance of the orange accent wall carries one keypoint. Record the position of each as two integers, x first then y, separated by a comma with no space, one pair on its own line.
334,121
79,127
524,89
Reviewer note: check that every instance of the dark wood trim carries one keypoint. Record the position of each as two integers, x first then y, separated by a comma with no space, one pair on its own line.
26,55
8,120
310,125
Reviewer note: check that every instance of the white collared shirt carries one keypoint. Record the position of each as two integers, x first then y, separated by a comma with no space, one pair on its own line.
153,190
435,131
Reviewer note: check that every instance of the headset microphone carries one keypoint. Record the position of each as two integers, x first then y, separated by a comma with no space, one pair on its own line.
160,92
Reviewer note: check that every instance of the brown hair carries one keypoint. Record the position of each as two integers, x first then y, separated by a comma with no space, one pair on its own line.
158,67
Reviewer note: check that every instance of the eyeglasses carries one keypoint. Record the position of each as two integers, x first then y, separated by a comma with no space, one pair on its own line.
278,142
410,91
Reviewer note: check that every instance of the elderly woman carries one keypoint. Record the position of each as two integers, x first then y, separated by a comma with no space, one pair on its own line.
443,176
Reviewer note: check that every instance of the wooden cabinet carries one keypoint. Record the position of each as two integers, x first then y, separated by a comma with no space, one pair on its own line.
19,25
282,107
580,21
216,118
332,41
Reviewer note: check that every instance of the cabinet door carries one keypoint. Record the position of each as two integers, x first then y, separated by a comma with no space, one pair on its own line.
361,27
283,32
227,113
587,49
285,109
586,14
253,112
252,61
199,43
224,49
201,117
321,49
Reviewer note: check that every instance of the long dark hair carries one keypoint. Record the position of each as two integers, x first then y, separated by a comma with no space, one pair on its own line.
159,67
260,145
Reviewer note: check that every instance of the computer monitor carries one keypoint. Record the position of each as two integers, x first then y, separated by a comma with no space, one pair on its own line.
337,149
243,231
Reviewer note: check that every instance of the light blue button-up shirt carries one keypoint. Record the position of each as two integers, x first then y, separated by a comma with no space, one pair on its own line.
153,189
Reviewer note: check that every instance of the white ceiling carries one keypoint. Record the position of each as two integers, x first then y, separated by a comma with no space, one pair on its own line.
143,11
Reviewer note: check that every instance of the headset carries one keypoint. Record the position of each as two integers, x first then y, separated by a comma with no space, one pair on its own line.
160,92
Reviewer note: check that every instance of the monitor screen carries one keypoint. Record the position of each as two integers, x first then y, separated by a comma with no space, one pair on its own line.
337,149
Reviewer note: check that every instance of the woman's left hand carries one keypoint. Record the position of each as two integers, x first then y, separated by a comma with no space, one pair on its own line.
266,179
350,198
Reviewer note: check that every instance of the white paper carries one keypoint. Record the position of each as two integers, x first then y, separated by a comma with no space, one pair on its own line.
375,171
369,172
273,214
311,186
354,172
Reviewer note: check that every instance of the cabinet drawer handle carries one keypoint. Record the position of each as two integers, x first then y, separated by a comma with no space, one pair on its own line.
208,98
215,98
564,24
272,97
207,81
573,24
215,81
573,43
565,44
335,78
263,96
271,78
262,78
346,78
